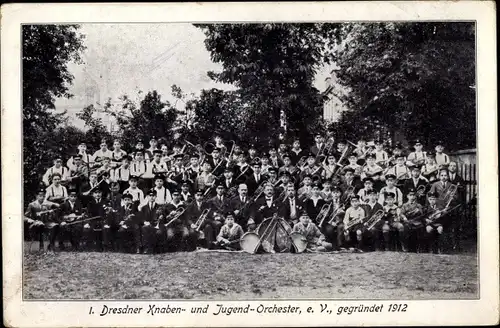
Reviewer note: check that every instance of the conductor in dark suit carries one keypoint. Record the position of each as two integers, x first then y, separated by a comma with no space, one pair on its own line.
241,206
291,207
267,206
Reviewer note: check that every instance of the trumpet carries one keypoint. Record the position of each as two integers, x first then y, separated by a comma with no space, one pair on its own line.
243,172
201,219
374,219
93,188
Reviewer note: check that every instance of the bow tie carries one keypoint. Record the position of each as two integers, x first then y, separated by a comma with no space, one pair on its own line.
268,199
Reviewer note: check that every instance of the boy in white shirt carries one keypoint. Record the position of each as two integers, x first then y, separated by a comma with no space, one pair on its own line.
354,234
57,168
441,158
390,180
137,194
363,193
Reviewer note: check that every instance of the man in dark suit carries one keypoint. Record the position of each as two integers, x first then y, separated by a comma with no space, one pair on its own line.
93,230
291,208
319,146
71,210
129,232
267,206
209,226
253,181
417,182
350,181
150,219
241,206
457,180
314,203
274,159
218,164
219,203
443,187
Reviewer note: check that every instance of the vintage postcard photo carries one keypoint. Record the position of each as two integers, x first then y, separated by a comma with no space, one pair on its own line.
249,164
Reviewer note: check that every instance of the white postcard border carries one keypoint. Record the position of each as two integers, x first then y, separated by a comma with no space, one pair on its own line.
75,313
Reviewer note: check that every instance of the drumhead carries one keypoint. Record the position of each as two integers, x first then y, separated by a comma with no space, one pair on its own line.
276,236
299,242
249,242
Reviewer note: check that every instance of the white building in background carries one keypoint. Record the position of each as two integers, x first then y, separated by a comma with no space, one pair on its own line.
328,85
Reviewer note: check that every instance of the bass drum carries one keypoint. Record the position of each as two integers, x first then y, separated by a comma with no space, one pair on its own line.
249,242
276,237
299,242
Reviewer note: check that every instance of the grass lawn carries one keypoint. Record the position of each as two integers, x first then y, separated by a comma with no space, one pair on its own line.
211,275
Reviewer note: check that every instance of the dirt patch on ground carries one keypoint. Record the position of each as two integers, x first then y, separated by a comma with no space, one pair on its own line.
207,275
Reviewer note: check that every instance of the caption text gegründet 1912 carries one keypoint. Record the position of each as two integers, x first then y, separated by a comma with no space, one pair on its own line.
216,309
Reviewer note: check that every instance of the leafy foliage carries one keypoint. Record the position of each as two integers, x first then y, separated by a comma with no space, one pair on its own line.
138,120
47,50
273,66
413,77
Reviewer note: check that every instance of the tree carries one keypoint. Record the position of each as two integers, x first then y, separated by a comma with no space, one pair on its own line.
138,120
273,66
96,131
47,50
417,78
217,112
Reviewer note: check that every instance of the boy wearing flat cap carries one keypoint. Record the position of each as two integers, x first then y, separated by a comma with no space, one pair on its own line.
315,239
230,234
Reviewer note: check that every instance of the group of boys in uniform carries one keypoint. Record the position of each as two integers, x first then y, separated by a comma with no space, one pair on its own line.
158,199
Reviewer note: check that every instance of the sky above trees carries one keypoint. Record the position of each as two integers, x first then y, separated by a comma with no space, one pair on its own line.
125,58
